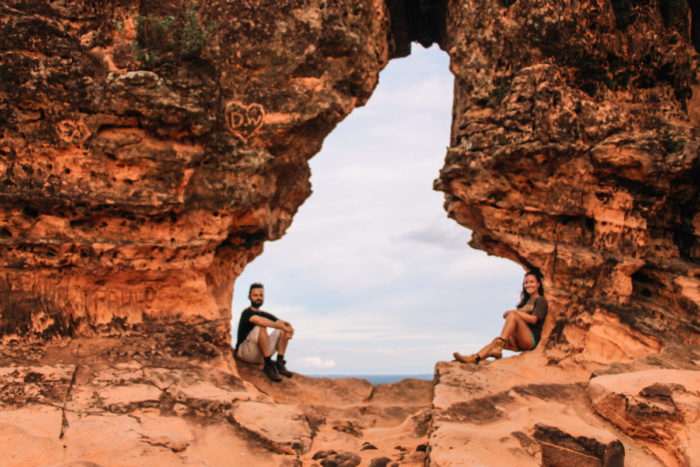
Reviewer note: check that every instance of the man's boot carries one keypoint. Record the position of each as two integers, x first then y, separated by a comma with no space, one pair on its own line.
270,371
282,369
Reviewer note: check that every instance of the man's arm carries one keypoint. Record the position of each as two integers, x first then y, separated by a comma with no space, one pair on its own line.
268,323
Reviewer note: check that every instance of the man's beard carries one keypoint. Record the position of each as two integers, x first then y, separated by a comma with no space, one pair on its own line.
256,303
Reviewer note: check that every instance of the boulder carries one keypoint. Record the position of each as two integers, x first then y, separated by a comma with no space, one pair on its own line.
659,408
283,428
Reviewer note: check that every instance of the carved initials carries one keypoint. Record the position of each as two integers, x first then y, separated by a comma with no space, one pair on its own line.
243,120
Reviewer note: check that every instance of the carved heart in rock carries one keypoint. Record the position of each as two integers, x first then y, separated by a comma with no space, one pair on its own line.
243,120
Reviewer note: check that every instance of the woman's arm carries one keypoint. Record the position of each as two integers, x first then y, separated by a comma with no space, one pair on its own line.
524,308
527,317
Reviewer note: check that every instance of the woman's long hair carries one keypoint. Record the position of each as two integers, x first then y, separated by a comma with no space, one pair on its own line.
524,296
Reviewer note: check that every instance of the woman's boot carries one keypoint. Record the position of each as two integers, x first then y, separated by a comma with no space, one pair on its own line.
466,358
497,348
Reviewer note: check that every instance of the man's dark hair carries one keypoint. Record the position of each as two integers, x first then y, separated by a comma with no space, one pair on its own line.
255,285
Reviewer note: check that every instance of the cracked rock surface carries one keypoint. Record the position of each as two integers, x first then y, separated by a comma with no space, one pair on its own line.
108,409
149,149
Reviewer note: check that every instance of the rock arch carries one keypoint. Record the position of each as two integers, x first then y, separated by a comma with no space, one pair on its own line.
150,150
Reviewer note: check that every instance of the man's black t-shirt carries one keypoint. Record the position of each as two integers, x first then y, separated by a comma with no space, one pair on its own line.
245,326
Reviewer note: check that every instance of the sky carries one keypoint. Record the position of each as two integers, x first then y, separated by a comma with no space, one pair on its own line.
372,274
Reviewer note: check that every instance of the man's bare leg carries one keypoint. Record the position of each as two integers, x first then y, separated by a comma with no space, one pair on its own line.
264,342
269,368
281,349
282,342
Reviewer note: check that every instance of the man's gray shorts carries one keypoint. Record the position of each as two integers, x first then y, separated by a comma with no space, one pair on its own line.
249,351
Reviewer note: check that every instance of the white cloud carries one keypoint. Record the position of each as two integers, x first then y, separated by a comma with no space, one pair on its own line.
316,363
372,274
438,234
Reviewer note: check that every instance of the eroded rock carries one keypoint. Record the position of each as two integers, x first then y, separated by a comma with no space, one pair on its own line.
150,149
561,448
283,427
660,408
342,459
572,152
522,411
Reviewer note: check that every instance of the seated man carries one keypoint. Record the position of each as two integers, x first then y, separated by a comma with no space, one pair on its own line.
254,345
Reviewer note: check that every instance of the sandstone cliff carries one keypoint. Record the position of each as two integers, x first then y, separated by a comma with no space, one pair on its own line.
149,149
575,149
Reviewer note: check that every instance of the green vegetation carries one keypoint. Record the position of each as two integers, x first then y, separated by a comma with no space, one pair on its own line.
193,37
502,86
161,37
671,143
597,71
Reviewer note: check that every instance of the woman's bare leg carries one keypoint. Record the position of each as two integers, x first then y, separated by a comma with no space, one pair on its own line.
516,333
483,353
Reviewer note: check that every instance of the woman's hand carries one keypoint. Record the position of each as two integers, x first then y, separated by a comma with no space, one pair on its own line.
505,315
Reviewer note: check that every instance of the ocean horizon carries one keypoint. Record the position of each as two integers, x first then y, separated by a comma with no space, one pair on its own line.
378,379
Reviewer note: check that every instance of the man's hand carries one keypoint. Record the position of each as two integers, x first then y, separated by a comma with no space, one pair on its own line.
286,326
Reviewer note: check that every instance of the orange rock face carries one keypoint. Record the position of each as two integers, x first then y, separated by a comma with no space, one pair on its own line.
149,149
574,149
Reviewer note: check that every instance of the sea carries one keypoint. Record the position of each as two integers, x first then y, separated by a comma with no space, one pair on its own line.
378,379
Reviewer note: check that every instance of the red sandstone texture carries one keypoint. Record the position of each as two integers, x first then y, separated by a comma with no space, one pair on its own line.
118,401
574,149
149,149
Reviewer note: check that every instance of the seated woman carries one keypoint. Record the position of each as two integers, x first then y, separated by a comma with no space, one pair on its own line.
523,326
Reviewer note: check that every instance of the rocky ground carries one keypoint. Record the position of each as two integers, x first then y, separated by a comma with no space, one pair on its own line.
526,411
353,420
115,401
122,401
149,150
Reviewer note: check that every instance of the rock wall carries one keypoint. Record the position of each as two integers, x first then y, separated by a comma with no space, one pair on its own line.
574,149
150,148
